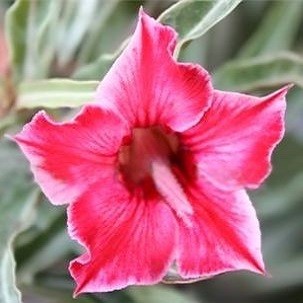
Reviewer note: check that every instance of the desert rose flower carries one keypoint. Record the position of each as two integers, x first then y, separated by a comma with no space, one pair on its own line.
155,170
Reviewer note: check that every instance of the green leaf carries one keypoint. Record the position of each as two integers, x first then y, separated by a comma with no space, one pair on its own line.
55,93
76,24
277,30
18,199
260,72
46,36
99,68
112,23
94,60
16,25
158,294
192,18
30,27
47,216
45,256
6,122
96,33
42,251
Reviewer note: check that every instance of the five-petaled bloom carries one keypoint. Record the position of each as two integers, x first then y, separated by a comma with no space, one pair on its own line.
155,169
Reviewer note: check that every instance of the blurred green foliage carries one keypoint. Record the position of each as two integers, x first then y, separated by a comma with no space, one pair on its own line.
257,47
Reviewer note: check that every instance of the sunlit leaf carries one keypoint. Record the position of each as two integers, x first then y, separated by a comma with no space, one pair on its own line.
55,93
260,72
18,198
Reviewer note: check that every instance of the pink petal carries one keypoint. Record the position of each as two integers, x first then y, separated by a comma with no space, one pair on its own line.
148,87
67,158
234,140
128,239
225,234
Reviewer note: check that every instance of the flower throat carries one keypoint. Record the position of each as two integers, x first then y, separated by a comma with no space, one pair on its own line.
147,159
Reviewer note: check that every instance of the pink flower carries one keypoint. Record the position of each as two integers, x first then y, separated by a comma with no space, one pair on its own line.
155,171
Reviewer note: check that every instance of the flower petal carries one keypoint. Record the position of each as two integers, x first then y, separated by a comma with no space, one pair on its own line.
148,87
234,140
224,236
129,239
67,158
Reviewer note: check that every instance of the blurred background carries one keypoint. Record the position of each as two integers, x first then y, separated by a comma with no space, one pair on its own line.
256,48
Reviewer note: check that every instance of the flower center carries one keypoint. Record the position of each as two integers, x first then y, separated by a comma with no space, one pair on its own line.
146,163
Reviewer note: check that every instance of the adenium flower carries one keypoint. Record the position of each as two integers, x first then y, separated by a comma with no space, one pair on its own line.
155,170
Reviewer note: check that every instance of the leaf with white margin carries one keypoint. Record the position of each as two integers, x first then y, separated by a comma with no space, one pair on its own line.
192,18
55,93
